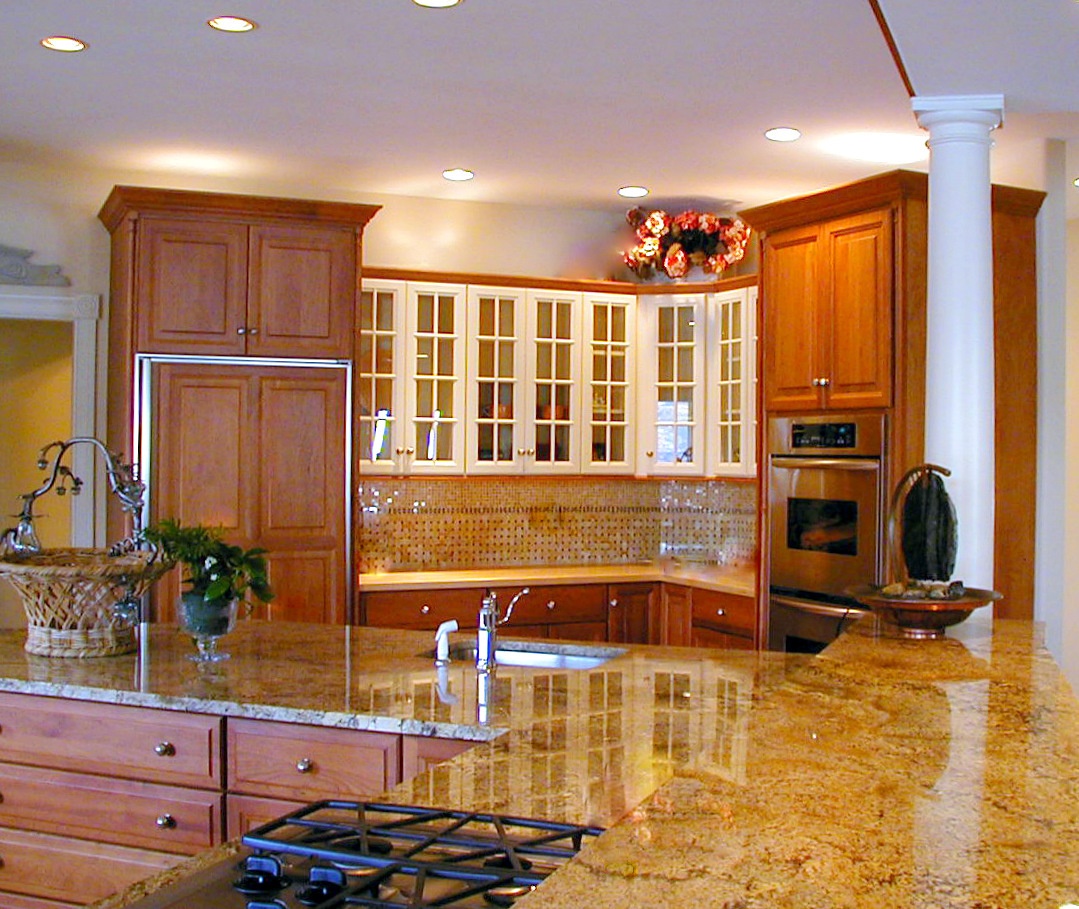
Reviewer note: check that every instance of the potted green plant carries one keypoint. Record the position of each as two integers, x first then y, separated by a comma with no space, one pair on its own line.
218,576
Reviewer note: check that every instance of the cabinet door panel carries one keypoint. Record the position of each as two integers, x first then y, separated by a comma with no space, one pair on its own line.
246,812
300,293
191,286
127,812
791,301
309,762
62,868
301,480
720,640
629,608
859,287
578,631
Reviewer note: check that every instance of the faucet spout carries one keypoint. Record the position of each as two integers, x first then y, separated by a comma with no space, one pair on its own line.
487,632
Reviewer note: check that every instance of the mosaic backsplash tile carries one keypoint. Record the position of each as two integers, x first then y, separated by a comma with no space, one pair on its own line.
410,524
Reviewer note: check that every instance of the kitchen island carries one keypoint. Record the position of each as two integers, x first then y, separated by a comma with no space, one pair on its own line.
884,772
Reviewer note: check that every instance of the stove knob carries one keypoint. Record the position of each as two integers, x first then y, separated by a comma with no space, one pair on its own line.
262,874
324,883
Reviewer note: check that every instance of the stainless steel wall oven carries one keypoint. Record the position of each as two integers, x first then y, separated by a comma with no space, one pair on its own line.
825,524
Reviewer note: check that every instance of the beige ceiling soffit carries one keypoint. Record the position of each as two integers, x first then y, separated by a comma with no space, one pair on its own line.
892,46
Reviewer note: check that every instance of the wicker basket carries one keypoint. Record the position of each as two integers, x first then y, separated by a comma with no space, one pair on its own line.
69,595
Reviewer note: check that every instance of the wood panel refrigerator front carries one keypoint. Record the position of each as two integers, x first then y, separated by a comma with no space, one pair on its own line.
261,453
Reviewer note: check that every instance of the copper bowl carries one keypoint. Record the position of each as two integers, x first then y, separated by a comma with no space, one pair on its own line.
922,618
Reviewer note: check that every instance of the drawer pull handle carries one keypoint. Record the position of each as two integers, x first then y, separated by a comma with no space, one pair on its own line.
164,749
305,765
550,605
165,821
721,612
424,609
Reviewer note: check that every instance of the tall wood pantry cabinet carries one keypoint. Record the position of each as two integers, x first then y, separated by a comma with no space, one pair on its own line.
843,327
234,318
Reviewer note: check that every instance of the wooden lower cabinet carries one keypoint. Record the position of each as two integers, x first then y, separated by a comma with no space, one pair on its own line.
629,607
726,621
246,812
420,753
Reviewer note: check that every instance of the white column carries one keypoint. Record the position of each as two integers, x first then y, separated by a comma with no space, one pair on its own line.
959,349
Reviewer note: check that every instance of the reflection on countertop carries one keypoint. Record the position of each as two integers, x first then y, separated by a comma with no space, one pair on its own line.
738,578
885,772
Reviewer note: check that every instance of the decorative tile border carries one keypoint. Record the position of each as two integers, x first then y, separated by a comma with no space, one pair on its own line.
410,524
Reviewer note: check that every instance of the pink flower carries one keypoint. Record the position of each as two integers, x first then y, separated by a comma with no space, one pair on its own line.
709,222
675,263
688,220
657,223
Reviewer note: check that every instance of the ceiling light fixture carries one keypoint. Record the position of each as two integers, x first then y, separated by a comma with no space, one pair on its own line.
783,134
458,174
437,4
633,192
63,43
1075,182
231,24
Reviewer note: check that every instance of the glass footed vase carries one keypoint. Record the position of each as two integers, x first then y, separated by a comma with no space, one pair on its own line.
207,621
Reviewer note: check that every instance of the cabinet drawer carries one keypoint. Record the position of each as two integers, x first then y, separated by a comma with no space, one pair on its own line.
720,640
422,609
133,742
284,760
246,812
555,604
724,611
17,901
80,871
169,818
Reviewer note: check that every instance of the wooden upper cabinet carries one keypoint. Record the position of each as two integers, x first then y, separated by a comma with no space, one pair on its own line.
301,291
828,314
192,279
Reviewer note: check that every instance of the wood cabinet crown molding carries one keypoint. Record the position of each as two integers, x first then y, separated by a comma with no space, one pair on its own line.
132,201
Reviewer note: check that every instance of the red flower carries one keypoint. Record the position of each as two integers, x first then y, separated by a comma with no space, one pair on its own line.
657,223
688,220
675,263
709,223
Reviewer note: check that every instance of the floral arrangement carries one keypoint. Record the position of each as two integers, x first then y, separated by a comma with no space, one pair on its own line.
675,244
216,570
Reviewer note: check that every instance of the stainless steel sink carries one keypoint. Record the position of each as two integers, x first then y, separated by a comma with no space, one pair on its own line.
540,655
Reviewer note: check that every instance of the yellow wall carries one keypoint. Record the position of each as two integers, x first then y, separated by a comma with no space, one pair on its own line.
35,409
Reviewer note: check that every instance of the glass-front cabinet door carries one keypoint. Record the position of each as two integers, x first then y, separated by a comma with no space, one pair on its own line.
672,423
410,363
609,402
732,389
523,381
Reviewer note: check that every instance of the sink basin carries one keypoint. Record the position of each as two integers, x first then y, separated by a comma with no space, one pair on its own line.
537,655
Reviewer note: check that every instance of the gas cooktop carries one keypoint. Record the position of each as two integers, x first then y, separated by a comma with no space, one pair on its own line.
345,853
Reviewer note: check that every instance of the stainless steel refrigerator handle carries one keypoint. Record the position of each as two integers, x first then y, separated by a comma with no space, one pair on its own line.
793,463
825,609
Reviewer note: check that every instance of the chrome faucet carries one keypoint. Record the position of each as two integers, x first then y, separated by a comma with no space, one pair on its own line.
487,635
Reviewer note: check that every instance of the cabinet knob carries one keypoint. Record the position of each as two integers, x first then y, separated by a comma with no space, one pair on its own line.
424,609
252,331
410,451
165,821
164,749
550,605
305,765
241,330
822,382
614,603
521,451
649,454
721,612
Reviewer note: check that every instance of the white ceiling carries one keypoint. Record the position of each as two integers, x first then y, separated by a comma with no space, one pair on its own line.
549,101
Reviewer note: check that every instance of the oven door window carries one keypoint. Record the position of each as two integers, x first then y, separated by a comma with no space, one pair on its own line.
823,525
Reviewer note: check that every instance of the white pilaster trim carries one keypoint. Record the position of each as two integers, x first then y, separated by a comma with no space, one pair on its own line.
84,312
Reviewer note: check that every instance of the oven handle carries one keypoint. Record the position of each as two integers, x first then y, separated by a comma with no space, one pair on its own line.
794,463
825,609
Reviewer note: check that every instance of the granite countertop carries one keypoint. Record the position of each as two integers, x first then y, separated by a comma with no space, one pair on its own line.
738,578
912,774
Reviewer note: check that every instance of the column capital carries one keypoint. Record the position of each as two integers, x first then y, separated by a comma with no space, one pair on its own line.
987,110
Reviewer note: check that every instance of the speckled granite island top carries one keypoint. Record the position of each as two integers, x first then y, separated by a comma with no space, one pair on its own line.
883,773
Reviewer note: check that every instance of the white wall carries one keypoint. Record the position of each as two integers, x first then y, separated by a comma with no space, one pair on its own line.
1068,654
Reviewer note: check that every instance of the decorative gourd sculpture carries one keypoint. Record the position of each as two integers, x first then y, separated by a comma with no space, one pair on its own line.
927,537
929,532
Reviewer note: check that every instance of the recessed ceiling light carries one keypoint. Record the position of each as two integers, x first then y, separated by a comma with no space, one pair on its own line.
63,43
1075,182
783,134
437,4
231,24
878,148
458,174
633,192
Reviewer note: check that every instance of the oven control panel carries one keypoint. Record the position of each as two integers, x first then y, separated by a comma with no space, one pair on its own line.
824,435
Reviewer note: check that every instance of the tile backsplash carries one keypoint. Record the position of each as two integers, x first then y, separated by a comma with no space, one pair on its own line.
410,524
